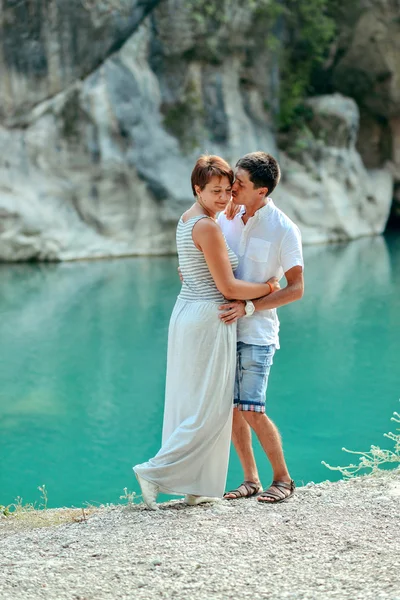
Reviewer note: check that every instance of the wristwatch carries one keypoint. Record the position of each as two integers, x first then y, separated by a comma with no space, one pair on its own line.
249,308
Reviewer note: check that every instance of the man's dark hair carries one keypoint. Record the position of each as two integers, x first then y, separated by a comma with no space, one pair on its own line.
263,169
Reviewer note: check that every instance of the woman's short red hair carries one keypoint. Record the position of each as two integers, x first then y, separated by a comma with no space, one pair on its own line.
208,166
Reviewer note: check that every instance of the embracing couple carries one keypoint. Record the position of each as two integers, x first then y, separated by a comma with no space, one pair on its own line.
234,245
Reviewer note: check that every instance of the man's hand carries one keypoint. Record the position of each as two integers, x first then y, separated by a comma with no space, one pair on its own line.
232,311
180,274
235,310
231,210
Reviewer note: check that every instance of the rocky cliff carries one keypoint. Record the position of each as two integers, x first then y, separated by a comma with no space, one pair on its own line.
366,66
104,107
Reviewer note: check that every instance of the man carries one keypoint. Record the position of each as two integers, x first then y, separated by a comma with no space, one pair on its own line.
267,244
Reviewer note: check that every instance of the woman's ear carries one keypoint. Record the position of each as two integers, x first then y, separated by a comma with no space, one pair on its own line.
197,189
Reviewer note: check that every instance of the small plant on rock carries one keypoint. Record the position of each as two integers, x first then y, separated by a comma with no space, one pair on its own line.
375,457
42,489
128,496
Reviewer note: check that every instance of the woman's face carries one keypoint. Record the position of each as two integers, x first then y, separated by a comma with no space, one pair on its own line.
216,194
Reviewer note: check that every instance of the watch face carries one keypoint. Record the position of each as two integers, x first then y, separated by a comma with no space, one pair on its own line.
249,309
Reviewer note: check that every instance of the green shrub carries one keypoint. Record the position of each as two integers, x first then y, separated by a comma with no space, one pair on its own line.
304,31
298,32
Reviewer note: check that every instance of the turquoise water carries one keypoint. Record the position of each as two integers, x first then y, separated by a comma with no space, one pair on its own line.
82,369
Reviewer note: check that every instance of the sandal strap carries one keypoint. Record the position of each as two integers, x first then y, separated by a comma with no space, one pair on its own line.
284,484
251,487
281,486
270,494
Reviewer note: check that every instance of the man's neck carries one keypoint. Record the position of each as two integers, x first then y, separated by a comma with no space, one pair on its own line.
251,209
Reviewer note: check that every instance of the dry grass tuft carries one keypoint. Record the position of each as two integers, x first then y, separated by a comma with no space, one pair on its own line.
28,517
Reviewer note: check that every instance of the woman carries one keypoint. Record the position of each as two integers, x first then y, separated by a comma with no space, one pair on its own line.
193,459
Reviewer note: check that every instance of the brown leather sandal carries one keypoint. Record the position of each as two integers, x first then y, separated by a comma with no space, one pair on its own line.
245,490
277,496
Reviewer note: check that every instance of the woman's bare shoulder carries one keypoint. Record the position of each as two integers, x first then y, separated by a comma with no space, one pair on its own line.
207,226
207,234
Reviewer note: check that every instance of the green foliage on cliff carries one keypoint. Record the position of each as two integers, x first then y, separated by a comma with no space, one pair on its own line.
301,33
298,32
308,29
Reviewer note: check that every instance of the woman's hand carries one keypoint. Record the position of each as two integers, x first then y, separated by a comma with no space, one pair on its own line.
231,210
273,281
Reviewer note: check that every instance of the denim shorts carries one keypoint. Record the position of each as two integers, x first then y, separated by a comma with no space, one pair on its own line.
253,364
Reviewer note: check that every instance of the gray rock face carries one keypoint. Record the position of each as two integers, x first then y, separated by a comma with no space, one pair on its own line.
326,188
102,119
369,71
46,46
369,68
335,120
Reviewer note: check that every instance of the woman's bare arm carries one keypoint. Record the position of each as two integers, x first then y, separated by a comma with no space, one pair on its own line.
208,238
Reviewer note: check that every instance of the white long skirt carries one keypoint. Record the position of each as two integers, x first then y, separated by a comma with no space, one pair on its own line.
196,436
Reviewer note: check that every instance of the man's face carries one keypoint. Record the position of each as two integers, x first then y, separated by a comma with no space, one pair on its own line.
243,191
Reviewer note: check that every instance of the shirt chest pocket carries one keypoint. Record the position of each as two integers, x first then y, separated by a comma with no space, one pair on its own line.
258,250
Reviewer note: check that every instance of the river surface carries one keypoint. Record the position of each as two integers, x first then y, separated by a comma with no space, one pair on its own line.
82,368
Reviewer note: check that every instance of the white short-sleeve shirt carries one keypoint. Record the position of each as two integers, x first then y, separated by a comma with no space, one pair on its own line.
268,245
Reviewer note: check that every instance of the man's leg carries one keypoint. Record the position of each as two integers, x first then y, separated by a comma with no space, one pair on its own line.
242,441
270,441
256,363
241,438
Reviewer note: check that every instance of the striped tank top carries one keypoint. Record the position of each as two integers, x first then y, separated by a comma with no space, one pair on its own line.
198,283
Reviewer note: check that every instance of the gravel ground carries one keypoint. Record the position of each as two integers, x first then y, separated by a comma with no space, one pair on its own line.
331,540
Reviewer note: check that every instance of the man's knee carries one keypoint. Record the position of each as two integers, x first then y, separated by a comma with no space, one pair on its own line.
254,418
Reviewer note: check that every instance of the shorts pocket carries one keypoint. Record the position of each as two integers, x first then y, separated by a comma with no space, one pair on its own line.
257,359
